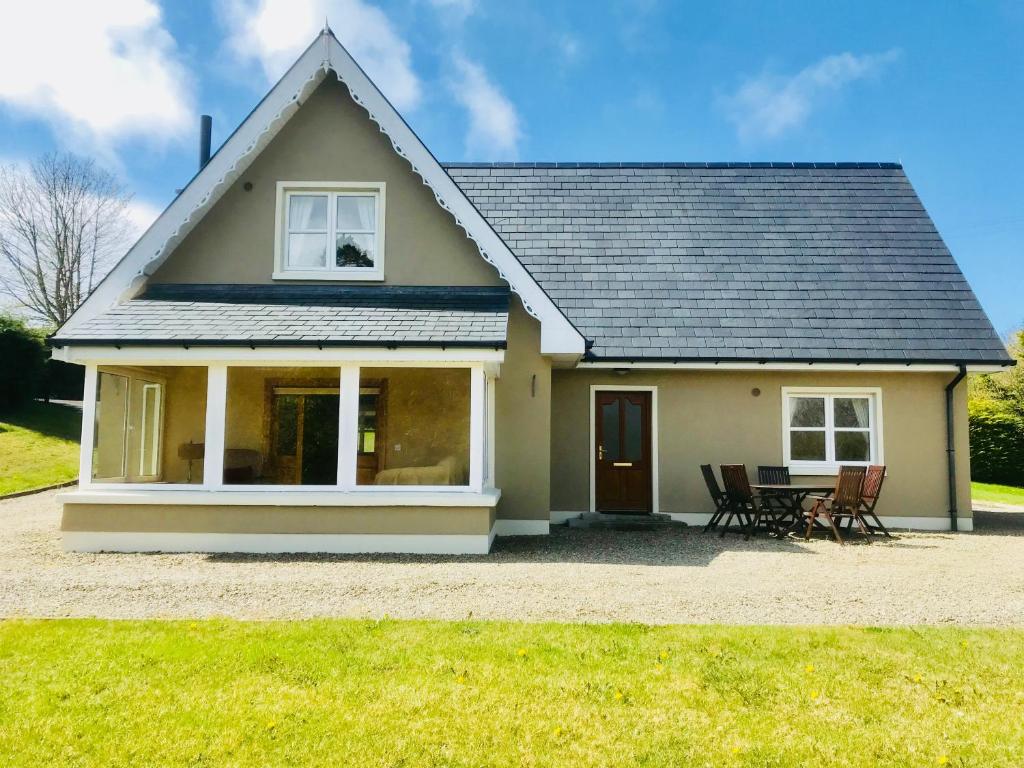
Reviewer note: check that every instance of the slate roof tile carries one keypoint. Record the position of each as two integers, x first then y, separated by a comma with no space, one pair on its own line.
829,261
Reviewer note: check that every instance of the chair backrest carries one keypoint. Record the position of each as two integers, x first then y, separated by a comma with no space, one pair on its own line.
848,486
712,482
872,489
737,485
773,476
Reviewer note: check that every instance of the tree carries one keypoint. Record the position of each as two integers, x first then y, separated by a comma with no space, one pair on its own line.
63,220
1004,390
996,410
22,353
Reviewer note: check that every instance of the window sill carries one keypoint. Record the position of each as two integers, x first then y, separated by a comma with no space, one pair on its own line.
336,275
378,497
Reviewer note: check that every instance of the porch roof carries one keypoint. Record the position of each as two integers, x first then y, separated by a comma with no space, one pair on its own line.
314,315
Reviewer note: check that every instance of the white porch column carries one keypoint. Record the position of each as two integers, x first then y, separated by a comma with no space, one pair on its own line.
489,476
348,426
88,426
216,411
477,420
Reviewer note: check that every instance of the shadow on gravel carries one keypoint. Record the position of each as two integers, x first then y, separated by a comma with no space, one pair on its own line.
688,547
999,523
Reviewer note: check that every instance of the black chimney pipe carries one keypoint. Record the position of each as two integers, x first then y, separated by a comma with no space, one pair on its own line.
205,131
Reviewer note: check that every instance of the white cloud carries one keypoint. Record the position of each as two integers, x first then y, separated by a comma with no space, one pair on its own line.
768,105
493,122
276,32
140,215
96,72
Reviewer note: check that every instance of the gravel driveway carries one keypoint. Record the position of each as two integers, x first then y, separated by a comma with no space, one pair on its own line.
660,576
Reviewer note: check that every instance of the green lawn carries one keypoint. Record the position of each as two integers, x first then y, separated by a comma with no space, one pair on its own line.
390,693
1003,494
39,446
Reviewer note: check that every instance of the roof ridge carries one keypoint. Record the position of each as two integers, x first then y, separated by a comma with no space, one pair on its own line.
710,165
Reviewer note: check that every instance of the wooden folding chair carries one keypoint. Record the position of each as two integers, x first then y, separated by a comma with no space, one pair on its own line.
744,504
869,494
718,496
844,502
773,475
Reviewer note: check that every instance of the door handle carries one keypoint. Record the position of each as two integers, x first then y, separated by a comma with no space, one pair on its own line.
622,464
600,453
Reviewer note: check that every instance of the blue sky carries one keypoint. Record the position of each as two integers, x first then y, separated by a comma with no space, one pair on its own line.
937,86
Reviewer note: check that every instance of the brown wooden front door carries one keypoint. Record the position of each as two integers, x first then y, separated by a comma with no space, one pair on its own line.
622,446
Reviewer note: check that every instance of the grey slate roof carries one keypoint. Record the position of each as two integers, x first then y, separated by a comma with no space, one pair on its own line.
325,315
737,261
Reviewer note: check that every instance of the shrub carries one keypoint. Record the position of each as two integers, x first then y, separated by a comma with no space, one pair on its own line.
21,363
997,444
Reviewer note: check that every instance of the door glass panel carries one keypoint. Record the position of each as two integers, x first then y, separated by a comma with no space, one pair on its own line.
853,446
287,424
610,430
149,449
852,412
633,431
111,426
806,445
320,440
807,412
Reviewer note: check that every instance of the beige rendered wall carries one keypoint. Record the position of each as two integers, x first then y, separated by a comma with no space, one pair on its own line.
522,417
329,139
713,418
184,518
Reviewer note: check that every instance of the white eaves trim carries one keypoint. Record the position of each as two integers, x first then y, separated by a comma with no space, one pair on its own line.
558,335
183,354
784,366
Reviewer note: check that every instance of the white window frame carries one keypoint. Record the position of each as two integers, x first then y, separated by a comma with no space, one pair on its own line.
332,190
830,466
346,491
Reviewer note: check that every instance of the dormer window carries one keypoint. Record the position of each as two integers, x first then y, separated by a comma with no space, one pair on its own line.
330,231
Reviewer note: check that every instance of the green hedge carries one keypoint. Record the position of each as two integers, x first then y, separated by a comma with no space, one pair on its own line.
997,445
21,363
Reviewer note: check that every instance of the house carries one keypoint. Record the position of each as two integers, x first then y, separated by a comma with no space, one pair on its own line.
495,347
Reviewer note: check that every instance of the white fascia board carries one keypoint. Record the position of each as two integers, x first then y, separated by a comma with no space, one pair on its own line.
278,356
558,335
843,367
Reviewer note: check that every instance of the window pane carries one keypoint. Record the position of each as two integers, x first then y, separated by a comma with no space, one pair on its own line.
806,446
634,431
281,426
149,430
307,212
807,412
356,213
853,446
354,250
307,250
419,426
852,412
610,430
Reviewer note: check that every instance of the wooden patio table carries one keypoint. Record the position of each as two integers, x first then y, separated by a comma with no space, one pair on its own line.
790,497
